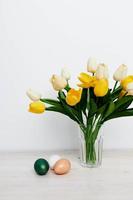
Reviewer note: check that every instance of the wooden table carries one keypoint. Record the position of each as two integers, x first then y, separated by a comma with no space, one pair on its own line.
112,181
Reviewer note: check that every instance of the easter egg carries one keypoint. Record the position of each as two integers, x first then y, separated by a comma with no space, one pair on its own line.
53,159
62,166
41,166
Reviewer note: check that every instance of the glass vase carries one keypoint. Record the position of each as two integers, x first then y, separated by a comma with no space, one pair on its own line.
91,147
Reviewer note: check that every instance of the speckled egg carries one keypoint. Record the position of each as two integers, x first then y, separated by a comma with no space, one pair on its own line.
62,166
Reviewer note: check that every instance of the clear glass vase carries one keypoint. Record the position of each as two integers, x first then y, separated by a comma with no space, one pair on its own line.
91,148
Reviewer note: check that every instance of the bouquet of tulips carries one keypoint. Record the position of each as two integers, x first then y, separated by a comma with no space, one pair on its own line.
92,104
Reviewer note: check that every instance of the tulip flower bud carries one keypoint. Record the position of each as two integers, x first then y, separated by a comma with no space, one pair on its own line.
91,65
102,71
58,82
37,107
34,96
101,88
73,97
65,73
120,73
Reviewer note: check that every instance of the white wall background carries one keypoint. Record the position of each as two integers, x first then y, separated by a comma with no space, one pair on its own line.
37,38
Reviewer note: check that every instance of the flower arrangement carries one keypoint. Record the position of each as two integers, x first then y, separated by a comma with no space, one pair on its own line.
91,105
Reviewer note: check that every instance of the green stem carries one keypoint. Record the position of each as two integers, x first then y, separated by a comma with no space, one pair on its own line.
90,153
90,138
115,86
67,88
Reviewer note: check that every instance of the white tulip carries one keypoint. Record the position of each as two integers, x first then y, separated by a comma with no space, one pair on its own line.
34,96
58,82
102,71
65,73
120,73
91,65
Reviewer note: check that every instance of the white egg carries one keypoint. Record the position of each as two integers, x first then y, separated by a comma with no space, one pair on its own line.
53,159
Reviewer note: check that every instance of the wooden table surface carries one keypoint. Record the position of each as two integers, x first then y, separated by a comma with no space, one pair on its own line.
112,181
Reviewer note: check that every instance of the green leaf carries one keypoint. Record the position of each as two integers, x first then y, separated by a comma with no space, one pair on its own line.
51,102
72,113
119,105
98,105
101,101
92,107
67,88
102,109
62,95
115,94
125,106
123,103
83,102
56,109
91,94
110,109
81,106
59,110
126,113
57,106
52,108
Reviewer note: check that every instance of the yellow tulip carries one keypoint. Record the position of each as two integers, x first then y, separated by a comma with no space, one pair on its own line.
87,81
73,97
100,85
101,88
126,81
37,107
58,82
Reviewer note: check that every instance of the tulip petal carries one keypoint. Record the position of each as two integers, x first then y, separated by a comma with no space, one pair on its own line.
37,107
73,97
91,65
85,78
101,88
120,73
58,82
87,81
126,81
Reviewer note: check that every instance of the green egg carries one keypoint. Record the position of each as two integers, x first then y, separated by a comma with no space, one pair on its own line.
41,166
